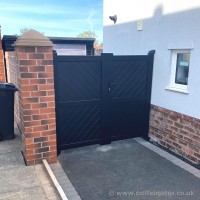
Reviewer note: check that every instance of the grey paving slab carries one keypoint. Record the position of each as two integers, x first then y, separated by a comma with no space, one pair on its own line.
17,179
19,182
187,166
169,157
70,194
11,145
14,145
197,175
11,160
124,169
194,170
35,193
75,198
68,188
42,174
50,192
47,184
64,182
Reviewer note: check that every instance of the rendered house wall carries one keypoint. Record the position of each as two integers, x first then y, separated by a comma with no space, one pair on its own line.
167,25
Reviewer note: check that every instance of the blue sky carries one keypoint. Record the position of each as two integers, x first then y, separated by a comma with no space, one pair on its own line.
64,18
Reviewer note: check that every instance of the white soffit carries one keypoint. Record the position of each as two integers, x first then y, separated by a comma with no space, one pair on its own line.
70,49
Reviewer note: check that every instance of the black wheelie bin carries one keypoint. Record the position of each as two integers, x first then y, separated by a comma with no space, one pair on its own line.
7,91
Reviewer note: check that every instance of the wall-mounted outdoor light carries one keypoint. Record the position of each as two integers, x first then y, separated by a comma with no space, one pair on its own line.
113,18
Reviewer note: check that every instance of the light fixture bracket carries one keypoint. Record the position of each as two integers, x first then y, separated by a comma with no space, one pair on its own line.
113,18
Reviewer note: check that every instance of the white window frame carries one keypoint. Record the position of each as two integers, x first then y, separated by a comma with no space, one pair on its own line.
173,85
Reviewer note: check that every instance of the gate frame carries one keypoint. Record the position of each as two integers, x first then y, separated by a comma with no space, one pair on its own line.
106,59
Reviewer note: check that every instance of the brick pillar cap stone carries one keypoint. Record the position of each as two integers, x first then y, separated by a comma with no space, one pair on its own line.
33,38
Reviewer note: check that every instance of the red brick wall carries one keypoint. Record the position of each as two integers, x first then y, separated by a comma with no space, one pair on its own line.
37,103
178,132
13,77
2,69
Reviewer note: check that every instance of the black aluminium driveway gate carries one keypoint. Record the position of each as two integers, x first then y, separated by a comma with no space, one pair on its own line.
102,98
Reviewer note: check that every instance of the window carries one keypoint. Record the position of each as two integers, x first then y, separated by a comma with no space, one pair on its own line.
180,70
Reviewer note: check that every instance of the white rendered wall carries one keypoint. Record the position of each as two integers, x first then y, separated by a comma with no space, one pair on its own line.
167,24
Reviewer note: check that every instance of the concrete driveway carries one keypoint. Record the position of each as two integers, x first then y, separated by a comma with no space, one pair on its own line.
129,170
21,182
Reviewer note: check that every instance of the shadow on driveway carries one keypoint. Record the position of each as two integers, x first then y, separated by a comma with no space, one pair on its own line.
127,170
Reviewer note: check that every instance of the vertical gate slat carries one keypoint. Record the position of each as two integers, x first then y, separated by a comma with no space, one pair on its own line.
106,72
56,85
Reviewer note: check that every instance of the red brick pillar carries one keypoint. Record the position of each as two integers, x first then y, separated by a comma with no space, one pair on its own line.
2,68
36,97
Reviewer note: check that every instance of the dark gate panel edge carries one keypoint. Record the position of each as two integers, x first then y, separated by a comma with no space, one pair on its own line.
149,91
55,64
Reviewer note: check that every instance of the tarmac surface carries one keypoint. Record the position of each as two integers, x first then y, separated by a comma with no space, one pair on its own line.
127,170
